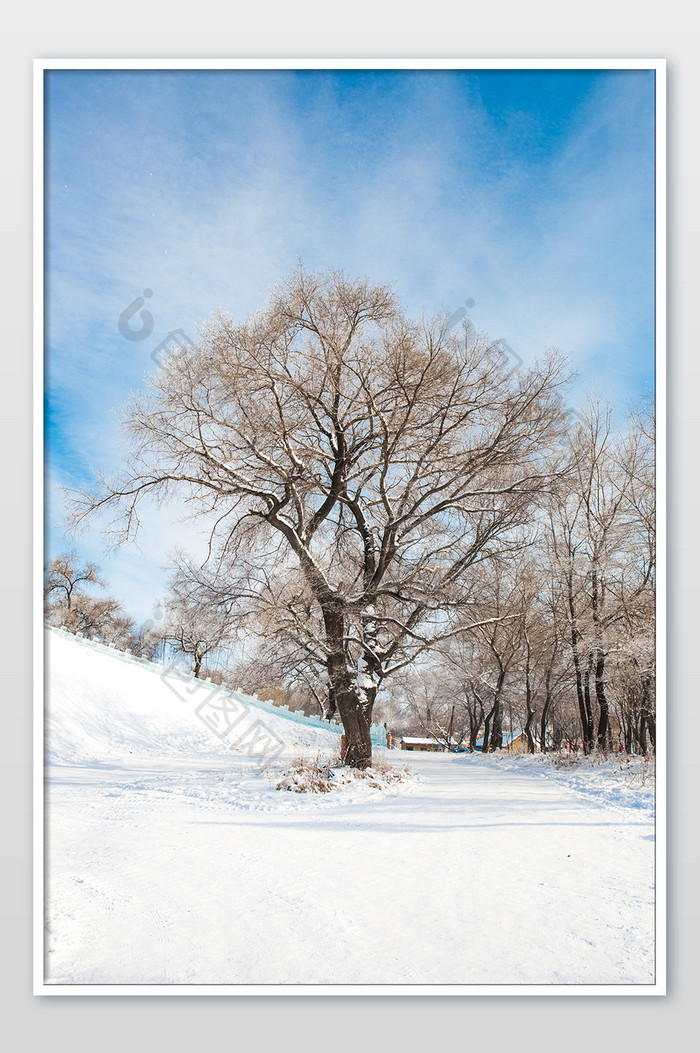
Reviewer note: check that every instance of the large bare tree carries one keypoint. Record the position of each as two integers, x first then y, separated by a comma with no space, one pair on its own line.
379,457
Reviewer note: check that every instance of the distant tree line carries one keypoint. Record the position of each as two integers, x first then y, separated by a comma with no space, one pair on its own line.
75,599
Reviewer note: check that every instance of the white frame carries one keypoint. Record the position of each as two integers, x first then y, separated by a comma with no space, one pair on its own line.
39,986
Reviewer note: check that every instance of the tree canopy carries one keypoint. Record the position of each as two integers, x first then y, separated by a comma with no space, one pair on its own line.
370,460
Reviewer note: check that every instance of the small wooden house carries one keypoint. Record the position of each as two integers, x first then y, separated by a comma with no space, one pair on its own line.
511,743
517,744
409,742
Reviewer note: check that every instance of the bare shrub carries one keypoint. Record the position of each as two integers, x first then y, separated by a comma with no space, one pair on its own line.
304,776
643,771
327,773
564,759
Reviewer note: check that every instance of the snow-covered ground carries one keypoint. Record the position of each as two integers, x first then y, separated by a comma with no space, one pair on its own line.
171,858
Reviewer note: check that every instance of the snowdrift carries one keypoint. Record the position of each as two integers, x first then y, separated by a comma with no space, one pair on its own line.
103,705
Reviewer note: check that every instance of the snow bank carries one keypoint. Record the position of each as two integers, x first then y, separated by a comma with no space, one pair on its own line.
102,706
616,781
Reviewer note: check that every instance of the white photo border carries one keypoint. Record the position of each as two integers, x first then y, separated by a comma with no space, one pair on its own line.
40,987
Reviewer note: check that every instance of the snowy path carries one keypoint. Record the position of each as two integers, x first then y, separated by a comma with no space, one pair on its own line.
476,871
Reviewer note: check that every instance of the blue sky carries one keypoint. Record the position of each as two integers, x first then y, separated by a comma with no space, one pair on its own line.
529,192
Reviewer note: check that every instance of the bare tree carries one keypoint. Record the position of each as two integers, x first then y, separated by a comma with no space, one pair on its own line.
460,672
633,652
602,546
68,603
503,596
63,578
382,456
195,622
285,674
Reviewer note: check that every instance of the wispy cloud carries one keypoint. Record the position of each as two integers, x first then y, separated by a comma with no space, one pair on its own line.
531,193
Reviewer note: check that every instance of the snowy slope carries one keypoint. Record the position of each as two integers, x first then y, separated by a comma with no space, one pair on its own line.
102,707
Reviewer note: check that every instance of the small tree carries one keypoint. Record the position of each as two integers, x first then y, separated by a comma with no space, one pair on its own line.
67,602
62,580
194,624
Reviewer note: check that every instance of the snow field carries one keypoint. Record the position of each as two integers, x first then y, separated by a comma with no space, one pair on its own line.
173,860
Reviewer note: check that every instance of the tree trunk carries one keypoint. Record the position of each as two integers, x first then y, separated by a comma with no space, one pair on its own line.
545,709
476,717
647,710
587,710
651,728
643,734
356,724
528,733
487,730
474,725
496,742
497,728
528,702
601,699
332,707
355,712
543,728
582,694
449,733
597,601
